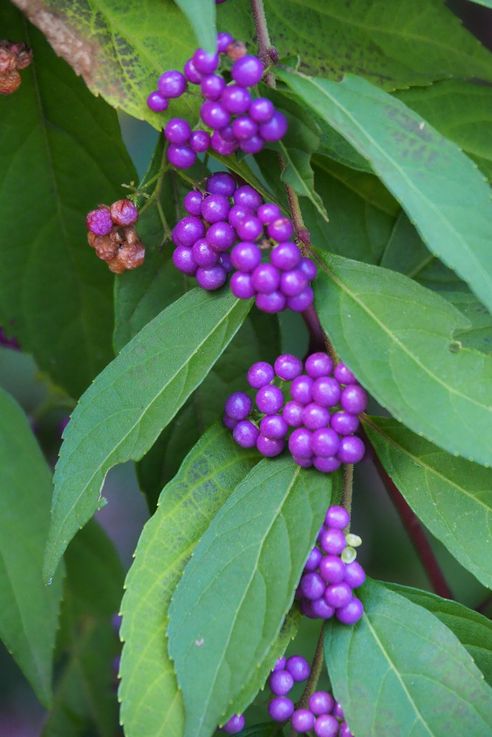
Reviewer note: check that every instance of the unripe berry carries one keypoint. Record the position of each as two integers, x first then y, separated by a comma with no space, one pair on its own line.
124,212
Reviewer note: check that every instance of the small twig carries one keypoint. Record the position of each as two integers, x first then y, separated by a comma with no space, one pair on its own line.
416,533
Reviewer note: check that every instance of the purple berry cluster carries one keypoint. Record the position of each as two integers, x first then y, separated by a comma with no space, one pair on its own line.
322,713
321,413
111,233
236,119
229,228
327,584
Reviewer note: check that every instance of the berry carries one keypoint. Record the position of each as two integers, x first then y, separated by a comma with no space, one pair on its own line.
302,720
280,229
286,256
293,282
215,207
221,236
221,183
344,423
252,145
268,212
247,71
326,465
301,301
238,406
338,711
241,285
200,141
244,128
171,84
229,422
281,682
351,449
313,561
265,278
312,586
354,399
301,389
223,41
280,664
203,254
188,231
237,214
248,197
338,595
193,203
354,574
326,726
321,609
280,709
157,102
300,443
269,399
245,256
260,374
344,375
272,303
309,268
182,157
351,613
318,364
221,146
269,447
177,130
235,724
245,434
191,72
214,114
315,417
205,63
212,86
236,99
325,441
344,730
337,516
292,414
275,129
274,427
288,367
332,541
321,702
99,221
298,667
249,228
326,391
212,278
262,110
184,261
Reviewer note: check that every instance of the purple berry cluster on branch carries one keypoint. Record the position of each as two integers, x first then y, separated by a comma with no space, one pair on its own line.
331,573
235,120
321,411
230,228
111,233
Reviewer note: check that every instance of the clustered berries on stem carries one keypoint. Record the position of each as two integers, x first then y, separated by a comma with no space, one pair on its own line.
236,119
331,573
13,58
229,228
112,234
318,420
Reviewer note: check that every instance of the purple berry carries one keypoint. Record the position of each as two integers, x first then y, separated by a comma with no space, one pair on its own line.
205,63
223,41
238,406
313,561
302,720
244,128
344,730
177,130
301,301
332,569
300,443
344,375
245,434
191,72
99,221
247,71
215,207
229,422
344,423
326,465
299,668
225,261
252,145
200,141
269,447
281,682
236,99
337,516
182,157
268,212
184,261
351,449
287,256
322,610
123,212
221,146
303,462
293,282
315,417
321,702
212,278
355,575
193,202
307,606
288,367
271,303
309,268
274,427
262,110
325,442
292,414
221,236
351,613
248,197
318,364
237,214
203,254
157,102
338,711
354,399
312,586
269,399
279,664
301,389
171,84
332,541
235,724
214,114
326,391
212,86
275,129
265,278
260,374
241,285
188,231
280,709
338,595
280,229
249,228
245,256
221,183
326,726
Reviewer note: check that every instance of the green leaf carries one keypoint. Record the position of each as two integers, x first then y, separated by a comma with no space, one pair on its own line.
133,399
461,111
437,185
29,611
398,339
486,3
472,629
451,496
119,49
397,664
395,44
299,175
237,588
150,701
60,155
201,15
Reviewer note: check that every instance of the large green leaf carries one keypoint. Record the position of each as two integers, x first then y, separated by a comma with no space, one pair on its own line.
60,155
395,44
472,629
150,700
237,588
133,399
438,186
398,339
201,15
29,611
401,671
451,496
